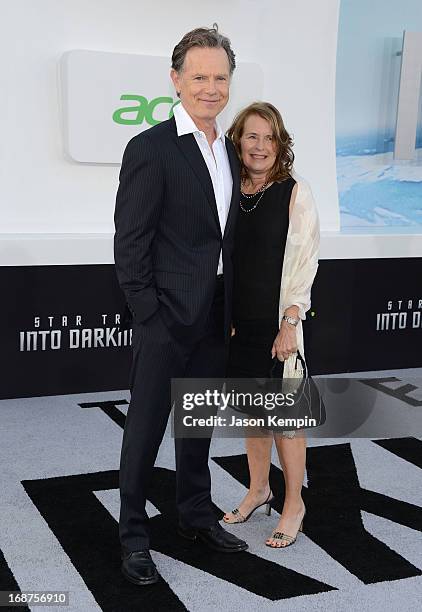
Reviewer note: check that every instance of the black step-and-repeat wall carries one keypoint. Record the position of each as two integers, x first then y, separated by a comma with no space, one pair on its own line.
60,324
367,316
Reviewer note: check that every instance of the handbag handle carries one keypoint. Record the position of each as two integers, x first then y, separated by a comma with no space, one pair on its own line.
291,369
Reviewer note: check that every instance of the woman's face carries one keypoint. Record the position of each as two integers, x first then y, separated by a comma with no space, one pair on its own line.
257,145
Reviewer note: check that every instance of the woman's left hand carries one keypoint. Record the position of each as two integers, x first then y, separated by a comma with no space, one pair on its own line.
285,342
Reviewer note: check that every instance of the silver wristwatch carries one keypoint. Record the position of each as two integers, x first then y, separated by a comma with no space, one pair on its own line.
290,320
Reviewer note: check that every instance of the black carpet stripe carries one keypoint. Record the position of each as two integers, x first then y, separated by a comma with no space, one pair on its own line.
110,409
392,509
89,535
400,393
334,500
246,570
8,583
409,449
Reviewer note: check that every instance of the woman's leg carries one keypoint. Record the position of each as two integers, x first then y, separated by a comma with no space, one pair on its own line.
259,460
250,357
292,455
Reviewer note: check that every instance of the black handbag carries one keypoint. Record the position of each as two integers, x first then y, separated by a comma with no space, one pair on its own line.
303,403
308,407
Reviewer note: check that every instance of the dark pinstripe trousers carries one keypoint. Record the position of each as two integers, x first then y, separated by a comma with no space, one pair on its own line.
158,357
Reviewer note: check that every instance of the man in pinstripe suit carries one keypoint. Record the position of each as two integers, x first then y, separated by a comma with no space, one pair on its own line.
175,215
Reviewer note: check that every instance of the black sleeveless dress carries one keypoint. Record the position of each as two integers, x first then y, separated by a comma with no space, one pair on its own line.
260,241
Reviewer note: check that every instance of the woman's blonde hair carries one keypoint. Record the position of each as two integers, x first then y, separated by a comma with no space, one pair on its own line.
284,155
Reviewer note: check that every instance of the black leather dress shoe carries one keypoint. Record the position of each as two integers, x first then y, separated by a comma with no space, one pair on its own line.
214,537
138,567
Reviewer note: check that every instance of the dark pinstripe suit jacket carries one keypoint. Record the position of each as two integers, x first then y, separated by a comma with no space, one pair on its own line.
168,238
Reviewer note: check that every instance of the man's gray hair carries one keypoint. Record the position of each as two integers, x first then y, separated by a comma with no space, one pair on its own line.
202,37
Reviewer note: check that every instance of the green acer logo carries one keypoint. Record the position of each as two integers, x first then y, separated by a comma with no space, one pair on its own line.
143,110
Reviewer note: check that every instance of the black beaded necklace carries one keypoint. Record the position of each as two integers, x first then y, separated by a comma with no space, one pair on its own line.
249,196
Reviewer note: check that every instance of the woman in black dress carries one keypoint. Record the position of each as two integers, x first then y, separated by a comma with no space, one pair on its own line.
264,328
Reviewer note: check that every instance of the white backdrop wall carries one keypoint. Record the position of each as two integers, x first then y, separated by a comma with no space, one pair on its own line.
44,193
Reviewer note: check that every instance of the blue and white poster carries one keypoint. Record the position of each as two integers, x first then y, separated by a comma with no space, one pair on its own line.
375,188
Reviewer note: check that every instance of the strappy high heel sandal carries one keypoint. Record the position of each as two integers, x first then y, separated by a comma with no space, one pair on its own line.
238,516
287,540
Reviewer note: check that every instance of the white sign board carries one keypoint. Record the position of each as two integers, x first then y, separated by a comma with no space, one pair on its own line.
109,97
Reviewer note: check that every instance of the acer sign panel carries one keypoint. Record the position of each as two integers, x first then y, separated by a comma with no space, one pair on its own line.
108,98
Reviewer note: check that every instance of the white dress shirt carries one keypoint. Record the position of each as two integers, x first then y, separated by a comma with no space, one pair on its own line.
217,163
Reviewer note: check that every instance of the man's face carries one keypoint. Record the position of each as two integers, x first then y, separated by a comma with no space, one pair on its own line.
203,82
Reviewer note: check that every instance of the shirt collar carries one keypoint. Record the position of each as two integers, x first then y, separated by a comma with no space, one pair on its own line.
186,125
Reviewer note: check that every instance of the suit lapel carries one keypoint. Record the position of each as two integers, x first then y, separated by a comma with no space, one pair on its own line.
235,169
189,147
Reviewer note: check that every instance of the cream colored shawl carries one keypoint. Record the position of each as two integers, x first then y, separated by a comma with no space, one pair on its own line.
300,256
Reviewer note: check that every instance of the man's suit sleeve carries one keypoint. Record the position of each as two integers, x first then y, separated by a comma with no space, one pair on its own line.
137,213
